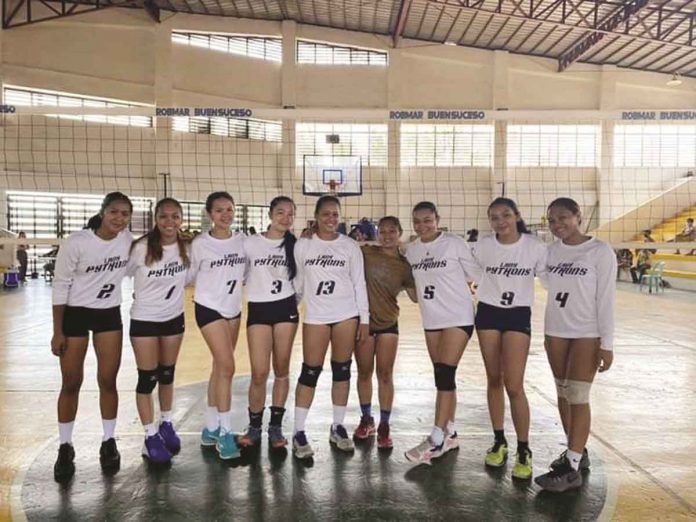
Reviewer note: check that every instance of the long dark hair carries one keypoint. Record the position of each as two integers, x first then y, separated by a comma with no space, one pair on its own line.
289,239
154,238
507,202
112,197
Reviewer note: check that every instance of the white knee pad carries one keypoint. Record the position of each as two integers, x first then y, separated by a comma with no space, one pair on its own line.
578,392
561,385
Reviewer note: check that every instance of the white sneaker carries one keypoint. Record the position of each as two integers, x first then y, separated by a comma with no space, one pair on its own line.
451,442
425,452
300,446
339,436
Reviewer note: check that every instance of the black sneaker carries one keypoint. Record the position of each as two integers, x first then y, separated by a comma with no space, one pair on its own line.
64,468
109,457
584,461
561,479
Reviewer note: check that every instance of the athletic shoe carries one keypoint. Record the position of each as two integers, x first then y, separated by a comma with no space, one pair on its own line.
425,452
155,450
339,436
365,429
252,437
384,441
561,479
226,446
276,439
584,460
497,455
109,457
300,446
451,442
523,466
210,438
170,438
64,468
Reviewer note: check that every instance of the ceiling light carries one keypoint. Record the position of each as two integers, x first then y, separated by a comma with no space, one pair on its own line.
674,80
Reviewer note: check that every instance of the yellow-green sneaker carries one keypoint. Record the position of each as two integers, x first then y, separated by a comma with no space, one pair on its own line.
523,466
497,455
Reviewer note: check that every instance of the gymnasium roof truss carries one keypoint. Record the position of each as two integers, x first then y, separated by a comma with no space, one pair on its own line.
649,35
16,13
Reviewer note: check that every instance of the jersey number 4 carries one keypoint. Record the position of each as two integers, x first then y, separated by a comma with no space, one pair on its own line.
562,298
326,287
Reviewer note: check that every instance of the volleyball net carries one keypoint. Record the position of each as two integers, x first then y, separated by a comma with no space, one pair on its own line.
58,159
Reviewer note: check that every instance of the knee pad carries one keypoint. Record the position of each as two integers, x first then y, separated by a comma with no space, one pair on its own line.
309,375
341,370
165,374
147,380
445,377
578,392
561,386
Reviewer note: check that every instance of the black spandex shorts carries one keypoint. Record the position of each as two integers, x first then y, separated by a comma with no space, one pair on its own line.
516,319
78,320
205,315
273,312
393,329
157,329
469,329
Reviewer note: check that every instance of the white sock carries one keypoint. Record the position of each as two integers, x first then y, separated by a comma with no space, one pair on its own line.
166,416
339,414
300,418
65,430
225,421
109,428
437,436
150,429
211,418
574,458
451,429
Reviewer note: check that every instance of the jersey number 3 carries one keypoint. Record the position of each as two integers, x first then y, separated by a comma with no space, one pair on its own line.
326,287
277,286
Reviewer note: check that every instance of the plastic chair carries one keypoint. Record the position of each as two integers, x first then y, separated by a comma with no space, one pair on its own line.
11,278
654,277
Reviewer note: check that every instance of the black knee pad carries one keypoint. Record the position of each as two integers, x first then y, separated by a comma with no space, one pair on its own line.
165,374
309,375
341,370
445,377
147,380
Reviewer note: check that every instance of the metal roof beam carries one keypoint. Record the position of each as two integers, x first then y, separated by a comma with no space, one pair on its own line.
152,9
404,9
610,23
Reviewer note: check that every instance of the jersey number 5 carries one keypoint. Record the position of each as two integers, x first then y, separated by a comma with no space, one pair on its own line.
429,292
326,287
562,298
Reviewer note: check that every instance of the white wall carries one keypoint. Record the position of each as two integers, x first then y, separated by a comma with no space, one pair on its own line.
122,54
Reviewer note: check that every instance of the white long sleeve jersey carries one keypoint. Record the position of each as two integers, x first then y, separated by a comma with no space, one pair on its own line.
89,270
158,289
581,282
441,269
331,279
267,270
506,277
217,267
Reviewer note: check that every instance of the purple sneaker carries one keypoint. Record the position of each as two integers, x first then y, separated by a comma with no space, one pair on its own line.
170,438
155,450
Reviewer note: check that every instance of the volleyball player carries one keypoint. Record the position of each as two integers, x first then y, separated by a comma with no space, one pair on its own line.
87,296
272,319
218,262
508,261
579,328
330,277
442,264
158,263
387,273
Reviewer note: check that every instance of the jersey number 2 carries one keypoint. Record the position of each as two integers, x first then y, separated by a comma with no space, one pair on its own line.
106,291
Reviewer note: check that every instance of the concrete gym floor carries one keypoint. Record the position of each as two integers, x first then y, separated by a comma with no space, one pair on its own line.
643,435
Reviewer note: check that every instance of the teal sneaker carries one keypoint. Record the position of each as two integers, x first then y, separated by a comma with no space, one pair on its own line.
209,438
227,446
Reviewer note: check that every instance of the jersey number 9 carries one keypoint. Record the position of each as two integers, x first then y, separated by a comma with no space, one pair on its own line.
507,298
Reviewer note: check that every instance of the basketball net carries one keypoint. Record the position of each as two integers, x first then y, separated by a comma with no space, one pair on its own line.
332,187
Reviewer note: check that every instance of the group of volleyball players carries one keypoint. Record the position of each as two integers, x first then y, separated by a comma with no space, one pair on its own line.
350,303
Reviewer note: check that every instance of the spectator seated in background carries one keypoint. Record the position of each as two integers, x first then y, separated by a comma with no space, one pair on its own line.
688,233
357,234
368,230
624,261
50,265
642,265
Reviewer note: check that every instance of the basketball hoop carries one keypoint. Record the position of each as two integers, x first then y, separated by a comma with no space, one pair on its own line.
332,187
